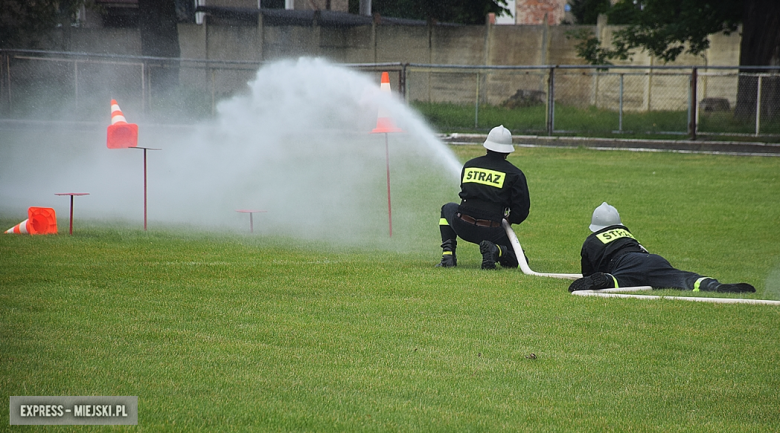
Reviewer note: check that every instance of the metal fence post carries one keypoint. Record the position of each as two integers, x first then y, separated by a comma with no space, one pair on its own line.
551,102
143,87
2,82
476,105
620,110
692,95
212,77
76,82
758,105
8,82
402,83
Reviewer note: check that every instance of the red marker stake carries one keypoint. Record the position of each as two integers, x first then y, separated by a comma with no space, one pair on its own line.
71,194
145,149
251,223
384,124
389,209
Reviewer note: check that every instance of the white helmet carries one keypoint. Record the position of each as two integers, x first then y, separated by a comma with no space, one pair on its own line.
604,216
499,140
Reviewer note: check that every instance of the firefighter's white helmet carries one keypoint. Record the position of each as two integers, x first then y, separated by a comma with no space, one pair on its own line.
499,140
604,216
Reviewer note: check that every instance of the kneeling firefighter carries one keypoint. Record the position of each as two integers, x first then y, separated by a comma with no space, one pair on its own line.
491,189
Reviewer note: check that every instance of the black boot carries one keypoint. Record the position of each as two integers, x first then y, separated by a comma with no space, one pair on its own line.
507,257
713,285
597,281
448,258
737,288
490,254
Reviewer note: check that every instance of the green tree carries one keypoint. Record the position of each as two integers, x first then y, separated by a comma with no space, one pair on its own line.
160,38
760,46
587,11
24,22
668,28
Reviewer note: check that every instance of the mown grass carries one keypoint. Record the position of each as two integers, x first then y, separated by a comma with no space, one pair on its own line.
234,332
667,124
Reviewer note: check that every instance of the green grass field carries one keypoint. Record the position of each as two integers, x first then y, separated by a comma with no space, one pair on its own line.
223,332
592,121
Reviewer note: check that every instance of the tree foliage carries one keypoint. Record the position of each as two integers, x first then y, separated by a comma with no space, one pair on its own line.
586,12
159,34
452,11
23,22
666,28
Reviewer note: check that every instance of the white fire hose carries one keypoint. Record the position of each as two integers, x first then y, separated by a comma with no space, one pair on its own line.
522,260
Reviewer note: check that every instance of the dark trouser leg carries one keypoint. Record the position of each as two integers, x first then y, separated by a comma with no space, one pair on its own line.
642,269
448,212
496,235
449,239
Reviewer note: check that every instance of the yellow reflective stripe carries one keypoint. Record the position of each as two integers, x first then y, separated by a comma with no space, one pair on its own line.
484,177
443,222
614,280
614,234
446,253
697,284
499,251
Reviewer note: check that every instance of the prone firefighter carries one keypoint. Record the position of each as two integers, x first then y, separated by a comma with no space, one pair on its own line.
612,257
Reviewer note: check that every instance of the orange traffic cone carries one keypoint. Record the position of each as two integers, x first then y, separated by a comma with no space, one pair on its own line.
120,133
383,121
40,221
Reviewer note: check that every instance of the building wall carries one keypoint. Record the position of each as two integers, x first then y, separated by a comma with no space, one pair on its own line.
535,11
332,5
530,45
462,45
475,45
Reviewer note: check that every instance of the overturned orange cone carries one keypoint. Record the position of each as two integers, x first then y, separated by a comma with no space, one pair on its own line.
383,121
120,133
40,221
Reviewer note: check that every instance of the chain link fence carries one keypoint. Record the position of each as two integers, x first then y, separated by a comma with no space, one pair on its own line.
607,100
549,100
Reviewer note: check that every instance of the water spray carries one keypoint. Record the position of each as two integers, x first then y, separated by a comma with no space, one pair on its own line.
296,142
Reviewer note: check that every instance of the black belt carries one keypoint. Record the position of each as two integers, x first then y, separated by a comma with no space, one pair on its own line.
478,222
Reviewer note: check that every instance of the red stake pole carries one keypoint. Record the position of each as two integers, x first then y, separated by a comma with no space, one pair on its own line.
144,189
389,210
144,149
251,221
70,229
71,194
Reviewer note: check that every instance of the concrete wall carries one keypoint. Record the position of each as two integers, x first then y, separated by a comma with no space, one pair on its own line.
463,45
333,5
439,45
468,45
